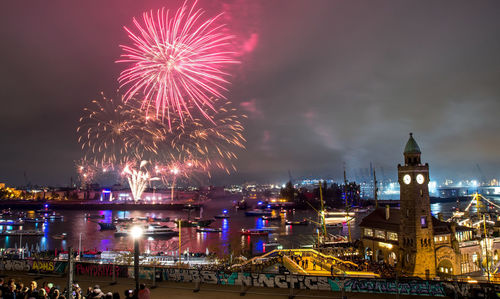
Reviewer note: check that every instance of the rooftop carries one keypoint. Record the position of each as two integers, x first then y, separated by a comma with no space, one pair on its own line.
412,146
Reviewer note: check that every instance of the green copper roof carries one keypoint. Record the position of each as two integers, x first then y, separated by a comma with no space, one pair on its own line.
412,146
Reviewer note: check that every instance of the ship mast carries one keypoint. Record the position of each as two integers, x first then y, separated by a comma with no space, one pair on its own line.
375,189
346,205
322,210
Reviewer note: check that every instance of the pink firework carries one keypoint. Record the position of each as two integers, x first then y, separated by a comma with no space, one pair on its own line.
176,59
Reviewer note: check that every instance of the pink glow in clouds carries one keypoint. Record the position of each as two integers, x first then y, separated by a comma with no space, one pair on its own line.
251,107
251,43
176,59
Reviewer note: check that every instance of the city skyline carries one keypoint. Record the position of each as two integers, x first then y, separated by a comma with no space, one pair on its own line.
322,85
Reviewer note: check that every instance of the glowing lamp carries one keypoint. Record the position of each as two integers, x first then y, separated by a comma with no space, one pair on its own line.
136,232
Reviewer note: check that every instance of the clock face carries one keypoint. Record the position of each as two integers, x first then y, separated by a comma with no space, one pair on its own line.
420,179
407,179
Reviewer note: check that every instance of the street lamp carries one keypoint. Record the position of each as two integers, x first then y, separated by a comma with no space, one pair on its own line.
136,233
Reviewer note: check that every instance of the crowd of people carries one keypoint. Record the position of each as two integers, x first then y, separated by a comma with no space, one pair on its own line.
12,289
383,269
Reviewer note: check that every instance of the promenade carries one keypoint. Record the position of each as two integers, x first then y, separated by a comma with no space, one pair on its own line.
176,290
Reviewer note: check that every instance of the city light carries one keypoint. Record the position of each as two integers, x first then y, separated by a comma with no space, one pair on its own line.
136,232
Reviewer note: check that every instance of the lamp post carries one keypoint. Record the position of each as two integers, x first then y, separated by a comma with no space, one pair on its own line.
136,233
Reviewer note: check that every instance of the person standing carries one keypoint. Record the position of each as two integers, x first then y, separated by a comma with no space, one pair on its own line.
144,292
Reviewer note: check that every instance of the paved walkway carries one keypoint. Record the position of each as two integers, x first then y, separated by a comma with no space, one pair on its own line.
174,290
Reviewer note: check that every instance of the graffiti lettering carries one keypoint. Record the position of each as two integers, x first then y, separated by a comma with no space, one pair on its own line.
98,270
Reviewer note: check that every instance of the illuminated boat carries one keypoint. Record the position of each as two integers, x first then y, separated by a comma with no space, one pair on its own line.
55,217
254,232
224,215
94,216
60,236
195,223
22,233
160,219
208,230
11,223
258,212
149,231
7,212
106,226
303,222
34,220
241,205
271,218
116,219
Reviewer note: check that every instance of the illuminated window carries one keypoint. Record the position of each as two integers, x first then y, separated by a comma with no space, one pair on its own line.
392,236
380,234
368,232
440,238
423,222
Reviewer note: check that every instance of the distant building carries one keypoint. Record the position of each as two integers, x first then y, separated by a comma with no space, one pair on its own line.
409,237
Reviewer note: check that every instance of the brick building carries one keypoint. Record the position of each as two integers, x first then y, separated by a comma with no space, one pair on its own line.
409,237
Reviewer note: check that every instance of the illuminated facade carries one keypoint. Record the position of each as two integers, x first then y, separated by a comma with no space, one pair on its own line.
409,237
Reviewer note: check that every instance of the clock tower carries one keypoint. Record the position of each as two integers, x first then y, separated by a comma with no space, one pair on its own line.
416,239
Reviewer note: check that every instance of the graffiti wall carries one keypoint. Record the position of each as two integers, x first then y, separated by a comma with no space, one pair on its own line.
100,270
381,286
363,285
35,266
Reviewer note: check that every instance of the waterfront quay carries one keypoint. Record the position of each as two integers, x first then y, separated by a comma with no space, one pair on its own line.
193,281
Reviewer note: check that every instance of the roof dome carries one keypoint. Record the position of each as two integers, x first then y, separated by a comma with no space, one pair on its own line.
412,146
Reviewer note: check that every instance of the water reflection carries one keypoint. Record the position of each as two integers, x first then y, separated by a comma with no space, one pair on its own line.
76,225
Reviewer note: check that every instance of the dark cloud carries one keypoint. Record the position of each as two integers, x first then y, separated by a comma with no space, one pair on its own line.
323,82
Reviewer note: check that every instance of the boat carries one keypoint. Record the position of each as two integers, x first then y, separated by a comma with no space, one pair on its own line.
195,223
7,212
11,223
149,231
94,216
190,206
22,233
303,222
208,230
275,245
60,236
258,212
106,226
224,215
160,219
241,205
271,218
34,220
116,219
333,225
254,232
55,217
44,211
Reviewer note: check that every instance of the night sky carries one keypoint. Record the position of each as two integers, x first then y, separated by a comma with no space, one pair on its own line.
323,83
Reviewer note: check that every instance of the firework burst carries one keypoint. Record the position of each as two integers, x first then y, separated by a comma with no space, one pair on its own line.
86,172
138,178
113,133
208,146
176,62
